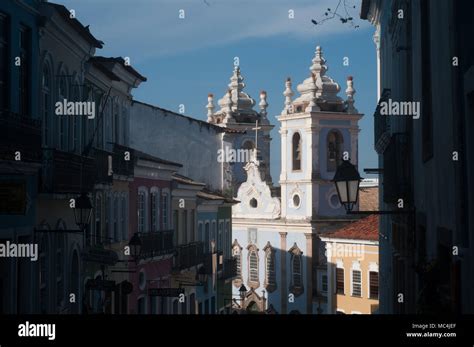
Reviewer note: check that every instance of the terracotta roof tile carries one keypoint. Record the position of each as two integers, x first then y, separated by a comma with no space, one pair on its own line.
363,229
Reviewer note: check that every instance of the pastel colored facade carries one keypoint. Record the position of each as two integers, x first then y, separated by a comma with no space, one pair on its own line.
352,282
281,258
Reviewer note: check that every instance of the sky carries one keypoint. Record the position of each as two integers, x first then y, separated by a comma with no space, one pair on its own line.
186,59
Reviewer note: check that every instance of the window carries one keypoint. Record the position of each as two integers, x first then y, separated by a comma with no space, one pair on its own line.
253,279
236,254
192,225
213,305
296,151
154,211
108,220
116,219
200,232
63,119
184,231
175,225
124,126
45,103
296,261
192,303
164,206
296,268
296,201
141,211
4,51
356,283
334,150
116,124
339,281
227,239
98,219
373,285
24,70
74,135
220,236
213,236
324,283
270,275
207,241
59,278
123,218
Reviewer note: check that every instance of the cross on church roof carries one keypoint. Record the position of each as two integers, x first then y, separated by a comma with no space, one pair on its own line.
257,128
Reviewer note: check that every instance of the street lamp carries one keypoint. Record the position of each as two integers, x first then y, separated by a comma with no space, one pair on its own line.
347,180
135,245
82,211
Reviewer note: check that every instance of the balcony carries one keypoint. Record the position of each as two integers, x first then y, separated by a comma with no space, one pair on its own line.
189,255
381,125
65,172
229,269
156,243
117,166
20,134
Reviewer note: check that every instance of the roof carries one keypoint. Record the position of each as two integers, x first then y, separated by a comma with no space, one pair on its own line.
363,229
145,156
121,61
368,199
199,121
210,195
81,29
186,180
104,69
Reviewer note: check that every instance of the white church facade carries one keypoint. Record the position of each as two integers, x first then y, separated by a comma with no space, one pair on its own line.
280,258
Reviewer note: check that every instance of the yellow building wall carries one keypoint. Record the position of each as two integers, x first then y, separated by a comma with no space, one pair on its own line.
347,303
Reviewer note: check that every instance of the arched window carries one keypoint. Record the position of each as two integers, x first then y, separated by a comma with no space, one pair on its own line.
296,286
253,280
75,122
270,273
46,104
207,241
116,124
63,119
334,150
237,256
154,210
296,151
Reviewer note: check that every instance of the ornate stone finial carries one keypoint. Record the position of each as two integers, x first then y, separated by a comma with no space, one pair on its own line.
228,103
288,93
319,67
313,106
263,103
350,91
210,107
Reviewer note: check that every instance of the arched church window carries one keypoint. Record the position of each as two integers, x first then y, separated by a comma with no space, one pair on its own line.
237,257
296,151
253,280
270,271
46,104
334,150
296,285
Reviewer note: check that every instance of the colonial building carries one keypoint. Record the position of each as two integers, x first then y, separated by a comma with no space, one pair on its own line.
425,160
352,281
280,257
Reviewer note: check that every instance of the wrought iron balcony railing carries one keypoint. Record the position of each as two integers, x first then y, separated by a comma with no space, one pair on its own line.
156,243
189,255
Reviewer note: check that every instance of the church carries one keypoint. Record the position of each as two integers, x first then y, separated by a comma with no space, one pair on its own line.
279,256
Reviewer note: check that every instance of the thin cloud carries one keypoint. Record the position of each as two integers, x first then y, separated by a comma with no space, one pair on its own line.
148,29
